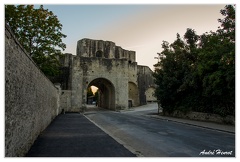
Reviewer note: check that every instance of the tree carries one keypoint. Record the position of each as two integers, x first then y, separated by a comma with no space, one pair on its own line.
216,64
39,32
198,72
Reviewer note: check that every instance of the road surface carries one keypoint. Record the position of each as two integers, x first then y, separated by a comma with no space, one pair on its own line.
151,137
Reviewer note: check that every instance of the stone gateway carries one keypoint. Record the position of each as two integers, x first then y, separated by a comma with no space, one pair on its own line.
122,83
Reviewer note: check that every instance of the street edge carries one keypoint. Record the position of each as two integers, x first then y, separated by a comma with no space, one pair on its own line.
221,130
132,150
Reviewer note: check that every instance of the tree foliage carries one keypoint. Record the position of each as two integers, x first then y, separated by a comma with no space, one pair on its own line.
197,72
39,32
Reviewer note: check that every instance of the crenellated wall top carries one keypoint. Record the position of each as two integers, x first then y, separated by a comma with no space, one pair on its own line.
103,49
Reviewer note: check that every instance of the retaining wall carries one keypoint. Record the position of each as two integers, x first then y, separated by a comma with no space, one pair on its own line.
31,100
203,117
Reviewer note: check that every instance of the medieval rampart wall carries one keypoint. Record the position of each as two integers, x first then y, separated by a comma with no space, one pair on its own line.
31,100
103,49
145,81
131,84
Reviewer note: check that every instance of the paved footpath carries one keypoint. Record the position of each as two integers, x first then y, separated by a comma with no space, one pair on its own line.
72,135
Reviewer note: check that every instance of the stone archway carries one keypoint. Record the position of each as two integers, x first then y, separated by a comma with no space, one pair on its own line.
133,94
150,95
121,81
106,96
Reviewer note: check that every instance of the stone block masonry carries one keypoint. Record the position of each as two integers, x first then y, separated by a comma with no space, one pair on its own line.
31,100
122,83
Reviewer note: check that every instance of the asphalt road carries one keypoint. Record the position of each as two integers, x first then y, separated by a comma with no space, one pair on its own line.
72,135
151,137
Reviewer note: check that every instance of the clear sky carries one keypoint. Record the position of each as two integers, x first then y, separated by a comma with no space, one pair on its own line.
140,28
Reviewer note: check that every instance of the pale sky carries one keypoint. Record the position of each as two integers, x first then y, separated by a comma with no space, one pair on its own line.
140,28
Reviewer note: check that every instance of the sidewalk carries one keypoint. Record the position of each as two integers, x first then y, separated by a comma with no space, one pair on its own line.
207,125
73,135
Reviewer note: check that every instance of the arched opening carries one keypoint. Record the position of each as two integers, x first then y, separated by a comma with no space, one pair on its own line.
105,93
99,53
150,95
133,95
92,95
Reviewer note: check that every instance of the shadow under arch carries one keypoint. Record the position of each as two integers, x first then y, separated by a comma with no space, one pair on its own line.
106,90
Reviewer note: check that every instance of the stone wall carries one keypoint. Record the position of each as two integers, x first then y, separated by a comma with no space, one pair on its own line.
31,100
66,72
203,117
65,99
145,81
121,81
103,49
87,69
